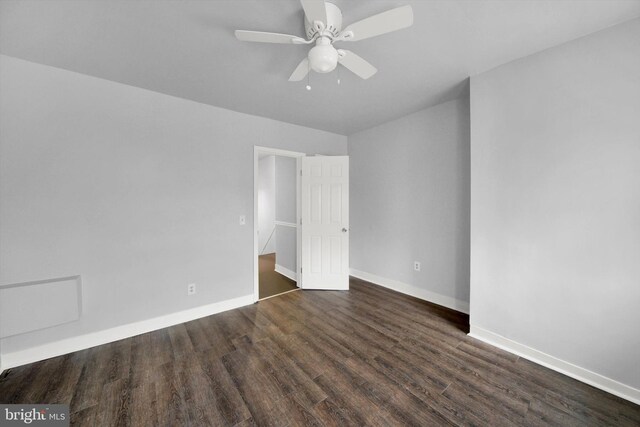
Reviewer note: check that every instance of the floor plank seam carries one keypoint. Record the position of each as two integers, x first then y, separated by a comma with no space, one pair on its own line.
445,389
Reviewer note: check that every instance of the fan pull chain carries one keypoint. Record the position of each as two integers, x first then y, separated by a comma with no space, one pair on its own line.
338,70
309,76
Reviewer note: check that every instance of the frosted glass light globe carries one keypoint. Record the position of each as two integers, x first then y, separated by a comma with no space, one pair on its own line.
323,58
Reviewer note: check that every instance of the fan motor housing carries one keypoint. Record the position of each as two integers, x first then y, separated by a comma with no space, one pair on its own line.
334,23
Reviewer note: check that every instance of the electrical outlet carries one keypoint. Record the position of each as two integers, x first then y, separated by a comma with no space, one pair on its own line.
191,289
243,220
416,265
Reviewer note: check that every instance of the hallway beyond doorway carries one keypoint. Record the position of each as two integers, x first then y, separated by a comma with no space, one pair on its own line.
271,282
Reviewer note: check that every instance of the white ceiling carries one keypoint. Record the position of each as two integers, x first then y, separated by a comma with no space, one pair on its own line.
187,49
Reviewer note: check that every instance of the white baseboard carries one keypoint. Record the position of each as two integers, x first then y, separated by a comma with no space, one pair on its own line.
286,272
581,374
69,345
414,291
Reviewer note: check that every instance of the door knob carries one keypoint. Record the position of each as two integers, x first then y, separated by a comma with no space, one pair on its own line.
344,230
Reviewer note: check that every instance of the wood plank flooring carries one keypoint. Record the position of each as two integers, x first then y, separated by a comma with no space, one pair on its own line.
368,356
271,282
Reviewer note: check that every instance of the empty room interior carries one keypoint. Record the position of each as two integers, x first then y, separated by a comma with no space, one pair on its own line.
309,212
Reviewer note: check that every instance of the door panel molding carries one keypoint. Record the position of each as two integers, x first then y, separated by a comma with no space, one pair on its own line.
325,222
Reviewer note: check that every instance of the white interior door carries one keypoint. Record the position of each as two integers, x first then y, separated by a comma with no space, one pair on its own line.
325,222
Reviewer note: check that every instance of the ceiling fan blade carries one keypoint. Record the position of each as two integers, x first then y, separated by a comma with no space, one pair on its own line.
382,23
315,10
357,65
262,37
301,71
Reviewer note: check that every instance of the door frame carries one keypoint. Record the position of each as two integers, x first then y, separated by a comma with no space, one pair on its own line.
257,151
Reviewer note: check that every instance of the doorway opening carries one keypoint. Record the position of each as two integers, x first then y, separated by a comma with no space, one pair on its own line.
276,219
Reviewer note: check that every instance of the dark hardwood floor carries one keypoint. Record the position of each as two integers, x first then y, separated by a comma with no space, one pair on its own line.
368,356
271,282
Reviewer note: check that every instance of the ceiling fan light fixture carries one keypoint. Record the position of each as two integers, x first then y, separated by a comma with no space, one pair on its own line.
323,25
323,58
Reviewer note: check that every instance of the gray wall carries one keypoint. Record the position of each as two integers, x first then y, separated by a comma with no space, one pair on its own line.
555,202
285,178
409,200
286,255
137,191
267,205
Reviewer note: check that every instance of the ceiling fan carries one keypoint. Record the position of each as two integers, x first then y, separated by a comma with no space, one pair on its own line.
323,25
